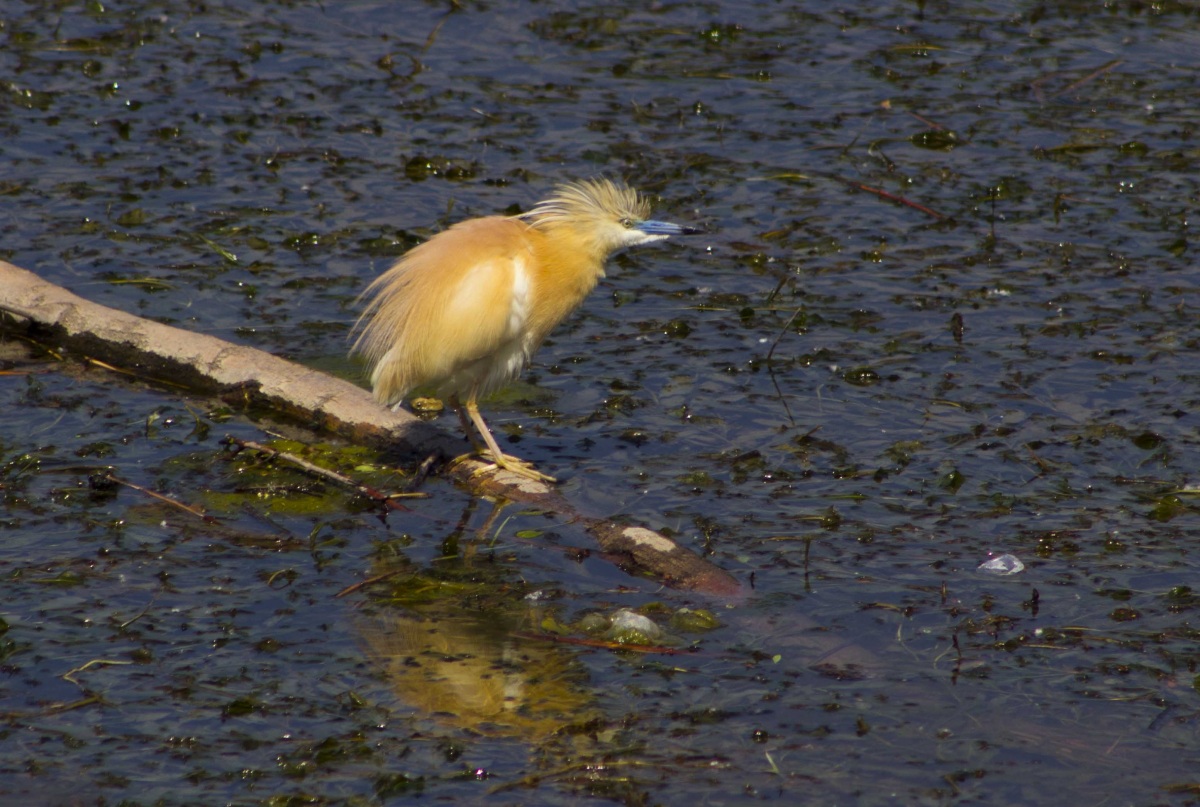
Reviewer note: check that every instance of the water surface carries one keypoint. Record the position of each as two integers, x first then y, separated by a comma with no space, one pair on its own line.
945,309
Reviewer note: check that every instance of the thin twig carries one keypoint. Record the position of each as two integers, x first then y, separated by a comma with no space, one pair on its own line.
212,521
891,197
1099,71
108,476
53,709
771,366
370,581
433,35
931,124
782,331
70,675
387,501
139,615
771,353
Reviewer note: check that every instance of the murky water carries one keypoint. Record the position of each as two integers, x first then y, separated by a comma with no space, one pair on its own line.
946,307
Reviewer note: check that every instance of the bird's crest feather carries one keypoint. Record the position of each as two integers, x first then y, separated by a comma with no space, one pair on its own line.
589,199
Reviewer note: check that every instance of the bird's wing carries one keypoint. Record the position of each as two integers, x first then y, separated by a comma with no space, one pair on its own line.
488,309
453,312
469,296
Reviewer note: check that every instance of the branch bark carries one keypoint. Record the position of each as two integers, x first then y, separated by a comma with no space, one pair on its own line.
53,316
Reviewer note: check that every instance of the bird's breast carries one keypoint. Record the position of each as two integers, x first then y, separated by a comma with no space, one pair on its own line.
521,302
492,339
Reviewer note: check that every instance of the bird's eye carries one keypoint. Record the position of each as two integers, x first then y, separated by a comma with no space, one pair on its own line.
627,223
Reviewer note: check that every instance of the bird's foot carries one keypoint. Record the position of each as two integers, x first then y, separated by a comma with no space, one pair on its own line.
519,466
509,463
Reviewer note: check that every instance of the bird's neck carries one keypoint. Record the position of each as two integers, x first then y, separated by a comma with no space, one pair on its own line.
566,268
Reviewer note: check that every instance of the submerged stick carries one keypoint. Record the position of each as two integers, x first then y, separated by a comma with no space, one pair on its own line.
387,501
892,197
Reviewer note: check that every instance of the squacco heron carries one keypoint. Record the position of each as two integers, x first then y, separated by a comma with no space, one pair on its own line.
465,311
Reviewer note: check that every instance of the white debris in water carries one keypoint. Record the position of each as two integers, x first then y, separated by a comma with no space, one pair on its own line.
1002,565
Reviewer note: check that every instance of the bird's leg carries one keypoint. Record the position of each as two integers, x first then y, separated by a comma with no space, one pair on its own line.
506,461
467,428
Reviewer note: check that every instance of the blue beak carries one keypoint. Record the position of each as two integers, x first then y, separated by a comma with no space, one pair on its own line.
665,228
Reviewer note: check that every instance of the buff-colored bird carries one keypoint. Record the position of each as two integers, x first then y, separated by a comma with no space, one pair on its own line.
465,311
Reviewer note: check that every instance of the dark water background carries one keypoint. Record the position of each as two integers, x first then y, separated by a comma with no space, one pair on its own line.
849,402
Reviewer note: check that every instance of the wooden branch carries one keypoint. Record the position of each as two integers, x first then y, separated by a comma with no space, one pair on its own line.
53,316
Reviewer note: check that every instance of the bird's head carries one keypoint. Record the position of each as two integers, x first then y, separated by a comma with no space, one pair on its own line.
605,216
